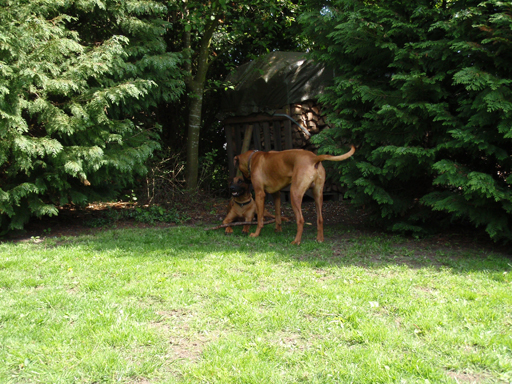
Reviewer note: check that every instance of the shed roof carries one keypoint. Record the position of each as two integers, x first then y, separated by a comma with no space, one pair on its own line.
274,81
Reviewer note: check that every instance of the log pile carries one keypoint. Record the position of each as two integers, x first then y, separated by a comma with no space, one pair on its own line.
309,115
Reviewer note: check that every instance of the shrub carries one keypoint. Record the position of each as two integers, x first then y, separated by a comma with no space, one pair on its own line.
68,103
424,89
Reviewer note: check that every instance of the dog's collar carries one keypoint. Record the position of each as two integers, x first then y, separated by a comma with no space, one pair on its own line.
244,203
249,163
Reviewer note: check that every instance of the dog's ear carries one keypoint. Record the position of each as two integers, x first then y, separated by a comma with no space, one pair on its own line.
236,161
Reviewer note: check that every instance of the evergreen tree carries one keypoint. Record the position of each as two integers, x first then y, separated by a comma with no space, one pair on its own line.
73,92
424,88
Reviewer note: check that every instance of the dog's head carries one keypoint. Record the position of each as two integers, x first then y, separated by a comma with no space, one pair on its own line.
242,163
238,187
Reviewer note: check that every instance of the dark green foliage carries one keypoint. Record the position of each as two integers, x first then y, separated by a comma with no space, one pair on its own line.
76,80
424,89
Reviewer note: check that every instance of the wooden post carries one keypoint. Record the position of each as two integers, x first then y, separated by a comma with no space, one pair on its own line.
277,136
266,136
238,139
229,148
256,136
288,134
247,138
246,143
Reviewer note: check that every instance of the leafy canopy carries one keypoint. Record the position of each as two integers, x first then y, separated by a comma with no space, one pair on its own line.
424,88
72,100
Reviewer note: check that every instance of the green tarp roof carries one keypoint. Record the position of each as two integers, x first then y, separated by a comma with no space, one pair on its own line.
273,81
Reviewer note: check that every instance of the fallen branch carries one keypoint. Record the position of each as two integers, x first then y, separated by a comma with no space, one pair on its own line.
240,223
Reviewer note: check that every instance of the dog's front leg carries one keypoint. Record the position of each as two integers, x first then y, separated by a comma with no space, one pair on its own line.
229,219
249,216
277,206
260,209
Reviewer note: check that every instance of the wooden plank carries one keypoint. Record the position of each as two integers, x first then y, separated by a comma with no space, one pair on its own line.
246,143
288,143
238,138
247,138
229,149
251,119
266,136
256,136
277,135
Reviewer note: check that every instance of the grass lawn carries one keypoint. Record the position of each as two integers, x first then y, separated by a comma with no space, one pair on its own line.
185,305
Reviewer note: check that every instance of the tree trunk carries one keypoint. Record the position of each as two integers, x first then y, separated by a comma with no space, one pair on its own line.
194,129
196,88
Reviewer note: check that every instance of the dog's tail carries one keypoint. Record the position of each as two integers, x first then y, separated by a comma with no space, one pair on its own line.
345,156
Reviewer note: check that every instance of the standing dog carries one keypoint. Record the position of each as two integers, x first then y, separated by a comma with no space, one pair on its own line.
272,171
242,205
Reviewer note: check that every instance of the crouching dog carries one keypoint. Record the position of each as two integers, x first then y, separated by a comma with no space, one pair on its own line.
242,205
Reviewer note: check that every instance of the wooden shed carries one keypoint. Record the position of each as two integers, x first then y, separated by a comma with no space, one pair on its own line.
273,105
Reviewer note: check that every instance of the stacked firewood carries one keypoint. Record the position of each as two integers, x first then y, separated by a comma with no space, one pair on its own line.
309,115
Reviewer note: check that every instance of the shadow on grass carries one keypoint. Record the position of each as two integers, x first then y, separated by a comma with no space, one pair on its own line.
344,246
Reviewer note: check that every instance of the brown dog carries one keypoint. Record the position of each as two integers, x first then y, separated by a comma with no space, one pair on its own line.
272,171
242,205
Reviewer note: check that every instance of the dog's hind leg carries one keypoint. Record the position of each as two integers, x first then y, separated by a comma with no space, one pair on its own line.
277,207
318,195
229,219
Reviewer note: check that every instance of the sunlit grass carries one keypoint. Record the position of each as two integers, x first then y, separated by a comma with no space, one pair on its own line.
184,305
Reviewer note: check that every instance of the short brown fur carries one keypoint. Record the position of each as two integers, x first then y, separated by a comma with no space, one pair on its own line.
272,171
242,205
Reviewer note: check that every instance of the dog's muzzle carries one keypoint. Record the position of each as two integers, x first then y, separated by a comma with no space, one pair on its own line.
236,190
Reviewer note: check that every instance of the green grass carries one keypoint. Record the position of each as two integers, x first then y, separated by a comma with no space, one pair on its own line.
184,305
